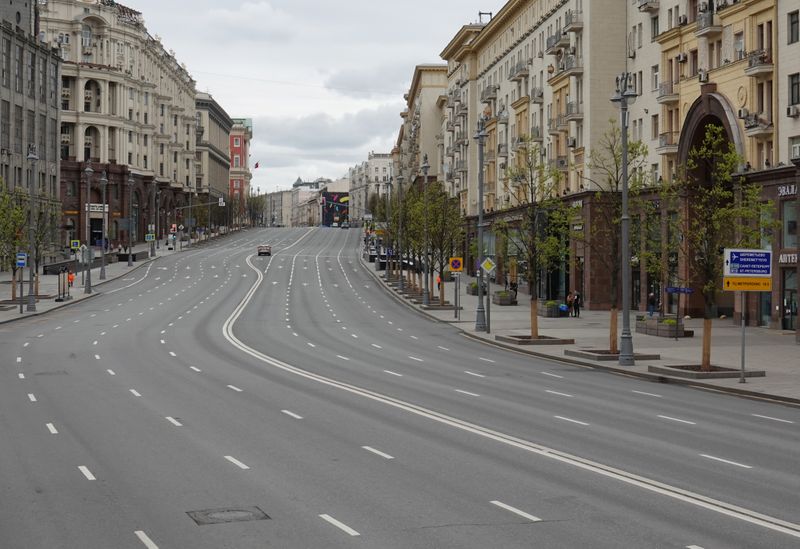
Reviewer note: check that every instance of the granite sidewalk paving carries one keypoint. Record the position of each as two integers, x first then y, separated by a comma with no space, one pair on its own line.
773,351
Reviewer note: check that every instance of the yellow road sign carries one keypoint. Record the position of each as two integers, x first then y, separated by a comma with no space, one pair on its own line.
488,265
746,284
456,264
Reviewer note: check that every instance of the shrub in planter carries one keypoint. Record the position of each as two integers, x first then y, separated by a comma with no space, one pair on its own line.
504,297
669,322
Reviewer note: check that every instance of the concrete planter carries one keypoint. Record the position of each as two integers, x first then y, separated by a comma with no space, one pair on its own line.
505,298
550,311
656,327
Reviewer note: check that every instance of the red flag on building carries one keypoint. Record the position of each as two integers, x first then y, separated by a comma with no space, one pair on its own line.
256,166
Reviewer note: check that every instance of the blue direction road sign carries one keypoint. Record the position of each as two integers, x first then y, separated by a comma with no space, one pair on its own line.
676,290
753,263
22,260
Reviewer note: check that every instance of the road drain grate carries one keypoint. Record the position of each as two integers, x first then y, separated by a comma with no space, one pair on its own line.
227,514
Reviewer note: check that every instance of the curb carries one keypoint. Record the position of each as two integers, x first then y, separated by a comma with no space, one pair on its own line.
647,376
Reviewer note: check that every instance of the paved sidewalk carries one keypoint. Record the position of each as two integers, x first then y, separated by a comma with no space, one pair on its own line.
48,284
773,351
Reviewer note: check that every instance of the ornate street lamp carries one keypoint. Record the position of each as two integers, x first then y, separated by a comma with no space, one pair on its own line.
130,219
87,287
480,312
103,185
34,180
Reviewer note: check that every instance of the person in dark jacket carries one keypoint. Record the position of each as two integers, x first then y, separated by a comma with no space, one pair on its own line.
576,304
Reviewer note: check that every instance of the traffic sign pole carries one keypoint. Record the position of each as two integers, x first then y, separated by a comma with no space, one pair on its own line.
741,376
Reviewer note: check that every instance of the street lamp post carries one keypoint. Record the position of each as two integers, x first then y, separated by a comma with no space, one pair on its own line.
130,219
625,95
400,229
33,157
426,300
158,220
388,224
87,287
103,185
480,312
152,228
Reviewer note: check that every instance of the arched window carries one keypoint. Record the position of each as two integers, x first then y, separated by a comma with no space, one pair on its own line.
86,36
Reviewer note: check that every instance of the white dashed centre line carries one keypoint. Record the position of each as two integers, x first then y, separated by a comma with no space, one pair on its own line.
111,372
339,525
443,348
86,472
134,392
198,370
342,357
571,420
377,346
172,354
772,418
393,373
377,452
174,421
31,397
516,511
678,420
647,394
145,540
52,429
473,374
236,462
22,376
557,393
415,358
743,466
26,343
552,375
97,357
311,344
486,359
467,393
292,414
19,359
234,388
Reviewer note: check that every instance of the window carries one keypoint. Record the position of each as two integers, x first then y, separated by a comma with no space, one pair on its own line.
86,36
237,142
793,26
738,45
789,220
639,34
161,148
236,183
237,161
653,28
654,126
654,77
794,88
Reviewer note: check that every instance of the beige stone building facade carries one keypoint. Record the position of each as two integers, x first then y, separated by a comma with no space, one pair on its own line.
212,165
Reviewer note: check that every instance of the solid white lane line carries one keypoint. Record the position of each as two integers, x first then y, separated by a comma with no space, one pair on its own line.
86,472
647,394
31,397
236,462
377,346
174,421
111,372
571,420
772,418
134,392
377,452
415,358
339,525
557,393
342,357
443,348
234,388
516,511
467,393
486,359
52,429
678,420
292,414
473,374
742,465
393,373
198,370
552,375
144,539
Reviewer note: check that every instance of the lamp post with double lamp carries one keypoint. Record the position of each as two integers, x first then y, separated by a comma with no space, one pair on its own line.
625,95
87,287
130,219
480,312
33,180
426,300
103,185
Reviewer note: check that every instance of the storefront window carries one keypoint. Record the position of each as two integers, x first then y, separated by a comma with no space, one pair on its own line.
789,217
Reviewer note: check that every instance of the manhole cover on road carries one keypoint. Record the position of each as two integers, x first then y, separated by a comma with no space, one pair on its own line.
227,514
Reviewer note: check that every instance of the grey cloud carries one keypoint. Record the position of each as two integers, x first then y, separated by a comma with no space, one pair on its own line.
386,80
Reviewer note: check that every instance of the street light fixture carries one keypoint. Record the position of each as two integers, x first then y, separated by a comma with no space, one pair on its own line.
103,185
388,223
34,179
480,312
426,300
87,258
625,95
130,219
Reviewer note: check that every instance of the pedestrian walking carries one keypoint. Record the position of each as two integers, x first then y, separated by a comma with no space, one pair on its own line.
651,304
576,305
71,278
570,300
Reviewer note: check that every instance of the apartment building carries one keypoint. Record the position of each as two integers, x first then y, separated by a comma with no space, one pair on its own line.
212,164
127,109
278,208
240,175
29,87
372,177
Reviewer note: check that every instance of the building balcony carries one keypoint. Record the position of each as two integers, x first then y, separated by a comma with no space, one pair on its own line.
450,151
450,126
489,155
537,95
758,125
574,111
648,5
519,143
552,127
573,21
489,93
461,138
562,123
518,71
573,65
461,110
708,24
667,93
559,163
537,136
668,143
461,166
759,63
502,150
556,42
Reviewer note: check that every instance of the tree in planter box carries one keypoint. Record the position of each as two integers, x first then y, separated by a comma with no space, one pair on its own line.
720,209
540,229
444,228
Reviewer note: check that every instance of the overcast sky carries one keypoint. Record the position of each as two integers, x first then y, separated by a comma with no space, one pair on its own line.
323,81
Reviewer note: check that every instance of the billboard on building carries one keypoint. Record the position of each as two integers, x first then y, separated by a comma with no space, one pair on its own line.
335,208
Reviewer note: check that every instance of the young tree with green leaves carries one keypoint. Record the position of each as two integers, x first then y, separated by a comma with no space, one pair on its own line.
444,228
720,210
541,232
12,225
603,237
